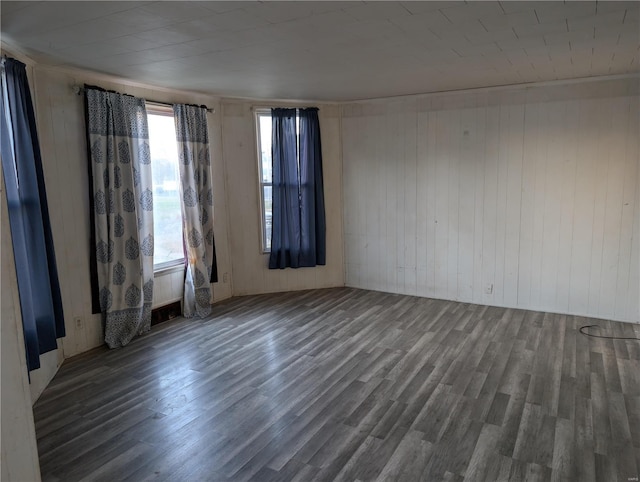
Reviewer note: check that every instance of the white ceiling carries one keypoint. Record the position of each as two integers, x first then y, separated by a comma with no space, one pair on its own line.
329,50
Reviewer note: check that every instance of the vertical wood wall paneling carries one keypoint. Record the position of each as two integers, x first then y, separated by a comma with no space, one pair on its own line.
375,261
502,173
352,131
569,163
479,155
390,208
466,205
410,199
532,191
633,153
431,195
333,273
585,189
490,220
629,193
441,261
512,218
368,160
602,134
421,204
452,204
615,182
19,447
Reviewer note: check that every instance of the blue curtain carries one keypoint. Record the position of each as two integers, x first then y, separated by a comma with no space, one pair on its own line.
38,285
285,235
298,233
313,248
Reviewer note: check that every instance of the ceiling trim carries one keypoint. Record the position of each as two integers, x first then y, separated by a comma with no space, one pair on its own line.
498,88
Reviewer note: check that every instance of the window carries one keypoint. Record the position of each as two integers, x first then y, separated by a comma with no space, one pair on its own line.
263,131
298,238
167,210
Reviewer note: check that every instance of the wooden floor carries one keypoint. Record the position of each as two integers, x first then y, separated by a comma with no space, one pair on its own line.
346,384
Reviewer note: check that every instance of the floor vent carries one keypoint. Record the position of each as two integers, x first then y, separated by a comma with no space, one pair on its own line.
165,313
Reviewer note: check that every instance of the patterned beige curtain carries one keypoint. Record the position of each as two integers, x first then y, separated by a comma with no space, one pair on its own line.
197,206
118,139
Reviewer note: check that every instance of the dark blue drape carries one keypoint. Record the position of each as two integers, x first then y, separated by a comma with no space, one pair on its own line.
298,230
40,300
313,249
285,234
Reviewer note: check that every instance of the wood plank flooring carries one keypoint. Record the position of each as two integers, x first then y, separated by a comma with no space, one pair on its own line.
347,384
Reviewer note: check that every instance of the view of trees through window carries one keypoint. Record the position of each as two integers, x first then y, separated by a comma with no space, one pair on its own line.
167,213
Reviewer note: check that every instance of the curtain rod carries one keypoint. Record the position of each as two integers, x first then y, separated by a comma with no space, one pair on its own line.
78,90
268,107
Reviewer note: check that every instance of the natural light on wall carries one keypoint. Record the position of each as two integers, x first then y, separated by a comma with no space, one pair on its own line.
167,214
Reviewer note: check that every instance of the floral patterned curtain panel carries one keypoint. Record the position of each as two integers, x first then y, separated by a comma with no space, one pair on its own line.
197,206
118,141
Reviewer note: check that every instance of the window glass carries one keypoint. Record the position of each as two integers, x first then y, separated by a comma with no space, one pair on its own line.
265,170
167,212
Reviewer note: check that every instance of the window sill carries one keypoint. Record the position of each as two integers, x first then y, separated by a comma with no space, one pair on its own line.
168,268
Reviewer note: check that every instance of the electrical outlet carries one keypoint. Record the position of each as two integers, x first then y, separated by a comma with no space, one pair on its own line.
488,289
225,278
78,321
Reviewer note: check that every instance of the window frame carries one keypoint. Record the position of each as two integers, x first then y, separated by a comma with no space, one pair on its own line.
258,113
153,108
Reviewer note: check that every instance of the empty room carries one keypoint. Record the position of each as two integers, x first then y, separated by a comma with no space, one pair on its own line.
320,240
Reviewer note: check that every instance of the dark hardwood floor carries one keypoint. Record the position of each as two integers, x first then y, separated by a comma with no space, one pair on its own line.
346,384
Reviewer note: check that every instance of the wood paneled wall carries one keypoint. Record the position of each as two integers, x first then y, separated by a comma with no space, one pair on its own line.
250,272
19,447
60,117
533,192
